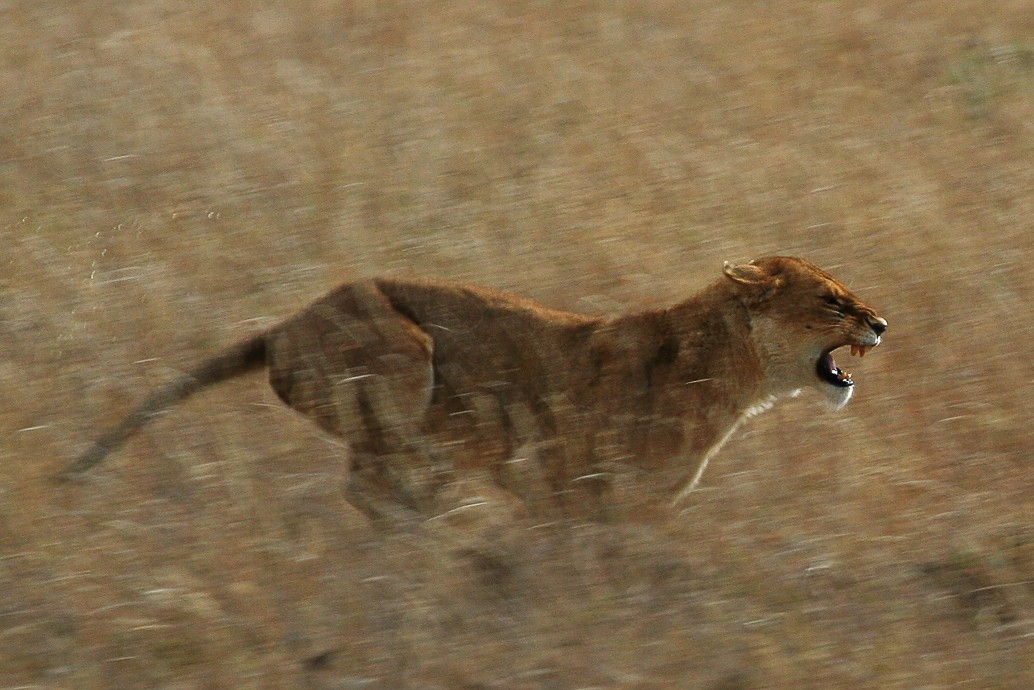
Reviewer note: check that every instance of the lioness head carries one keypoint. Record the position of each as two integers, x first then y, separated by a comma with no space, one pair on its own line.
799,316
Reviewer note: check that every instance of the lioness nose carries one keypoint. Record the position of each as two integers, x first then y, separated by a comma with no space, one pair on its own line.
878,325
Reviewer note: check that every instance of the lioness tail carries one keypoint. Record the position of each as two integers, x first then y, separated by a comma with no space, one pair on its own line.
239,359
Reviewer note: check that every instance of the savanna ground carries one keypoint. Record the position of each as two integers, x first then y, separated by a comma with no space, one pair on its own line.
174,176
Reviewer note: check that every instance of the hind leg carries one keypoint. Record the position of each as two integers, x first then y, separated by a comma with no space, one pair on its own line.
364,372
391,457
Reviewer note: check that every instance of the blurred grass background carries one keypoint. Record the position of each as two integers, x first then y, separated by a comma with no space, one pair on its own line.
175,175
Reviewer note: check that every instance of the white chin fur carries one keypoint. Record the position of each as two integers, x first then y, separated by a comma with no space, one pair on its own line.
837,396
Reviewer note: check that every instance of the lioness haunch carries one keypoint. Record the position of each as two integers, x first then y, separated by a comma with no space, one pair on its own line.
426,380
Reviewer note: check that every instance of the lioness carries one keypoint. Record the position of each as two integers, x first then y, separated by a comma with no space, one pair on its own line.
425,380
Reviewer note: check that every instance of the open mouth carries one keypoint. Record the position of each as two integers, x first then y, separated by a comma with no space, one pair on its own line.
829,372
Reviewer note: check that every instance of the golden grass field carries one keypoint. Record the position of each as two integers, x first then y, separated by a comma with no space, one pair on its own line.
174,176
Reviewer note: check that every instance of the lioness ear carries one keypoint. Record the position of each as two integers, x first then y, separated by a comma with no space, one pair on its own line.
752,279
746,274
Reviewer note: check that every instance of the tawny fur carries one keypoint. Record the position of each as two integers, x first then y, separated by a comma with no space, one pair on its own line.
426,380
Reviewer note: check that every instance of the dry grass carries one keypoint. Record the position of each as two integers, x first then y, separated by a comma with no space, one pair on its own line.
175,175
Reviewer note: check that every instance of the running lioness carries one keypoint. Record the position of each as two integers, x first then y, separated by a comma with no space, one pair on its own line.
425,380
